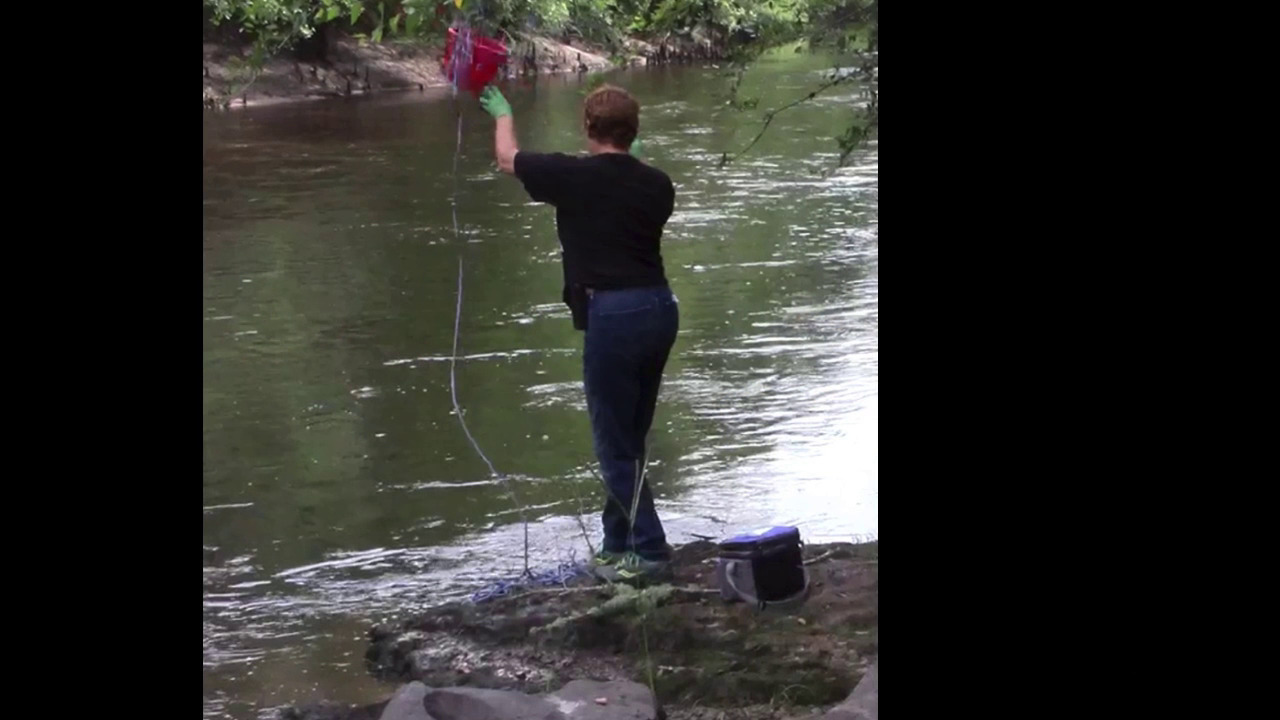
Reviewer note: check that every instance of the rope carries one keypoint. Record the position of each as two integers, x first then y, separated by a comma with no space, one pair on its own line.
559,576
461,59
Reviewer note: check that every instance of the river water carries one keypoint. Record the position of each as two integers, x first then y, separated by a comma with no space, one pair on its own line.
339,489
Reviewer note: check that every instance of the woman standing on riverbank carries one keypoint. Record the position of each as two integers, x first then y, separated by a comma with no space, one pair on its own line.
610,212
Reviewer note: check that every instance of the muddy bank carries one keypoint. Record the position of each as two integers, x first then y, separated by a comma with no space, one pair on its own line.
704,659
350,68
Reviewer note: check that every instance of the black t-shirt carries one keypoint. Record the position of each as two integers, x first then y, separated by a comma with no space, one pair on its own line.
610,211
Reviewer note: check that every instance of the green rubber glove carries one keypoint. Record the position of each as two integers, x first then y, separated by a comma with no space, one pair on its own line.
493,102
637,148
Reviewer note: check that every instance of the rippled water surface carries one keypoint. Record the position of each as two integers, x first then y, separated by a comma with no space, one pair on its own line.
338,486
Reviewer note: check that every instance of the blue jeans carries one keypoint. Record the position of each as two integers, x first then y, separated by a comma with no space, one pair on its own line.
629,336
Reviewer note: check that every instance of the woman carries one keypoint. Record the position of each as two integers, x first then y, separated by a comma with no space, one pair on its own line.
610,212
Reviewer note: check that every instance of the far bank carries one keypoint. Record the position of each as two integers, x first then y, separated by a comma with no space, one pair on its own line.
348,66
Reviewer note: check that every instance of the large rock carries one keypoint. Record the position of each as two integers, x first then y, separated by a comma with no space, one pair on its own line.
623,700
407,704
862,703
465,703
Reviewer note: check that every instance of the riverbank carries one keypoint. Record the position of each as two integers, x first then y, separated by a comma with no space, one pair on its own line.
352,67
701,657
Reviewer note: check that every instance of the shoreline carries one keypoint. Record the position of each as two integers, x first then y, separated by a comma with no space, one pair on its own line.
355,68
692,655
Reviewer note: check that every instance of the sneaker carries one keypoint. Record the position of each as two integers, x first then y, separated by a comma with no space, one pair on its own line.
605,558
632,568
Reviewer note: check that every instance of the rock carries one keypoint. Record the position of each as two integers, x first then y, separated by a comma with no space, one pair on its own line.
407,704
862,703
623,700
465,703
704,653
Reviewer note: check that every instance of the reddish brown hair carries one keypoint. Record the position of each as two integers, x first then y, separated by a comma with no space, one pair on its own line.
611,116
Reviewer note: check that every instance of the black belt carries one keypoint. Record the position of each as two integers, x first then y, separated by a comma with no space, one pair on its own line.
590,291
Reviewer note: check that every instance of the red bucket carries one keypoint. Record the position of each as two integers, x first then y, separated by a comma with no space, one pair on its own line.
478,61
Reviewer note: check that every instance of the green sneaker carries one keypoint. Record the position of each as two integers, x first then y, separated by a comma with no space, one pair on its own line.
633,569
605,558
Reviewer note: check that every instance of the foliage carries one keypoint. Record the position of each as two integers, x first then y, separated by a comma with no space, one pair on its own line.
731,23
849,29
852,26
625,601
281,20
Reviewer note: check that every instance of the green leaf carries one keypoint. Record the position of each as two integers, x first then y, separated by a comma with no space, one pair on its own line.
356,11
395,22
332,13
411,23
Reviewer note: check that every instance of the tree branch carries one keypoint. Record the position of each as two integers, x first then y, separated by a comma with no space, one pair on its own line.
769,116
